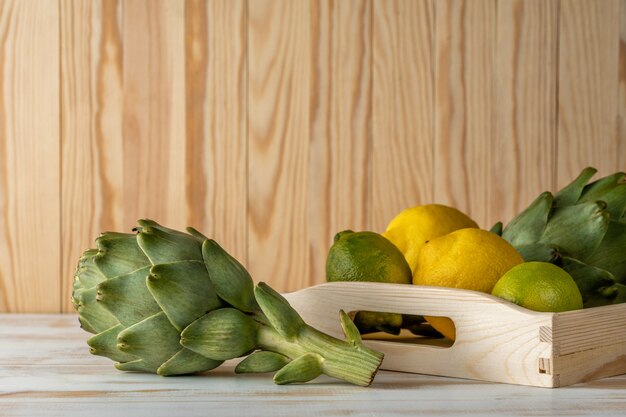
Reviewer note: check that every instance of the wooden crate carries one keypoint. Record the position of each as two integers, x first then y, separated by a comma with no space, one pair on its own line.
496,340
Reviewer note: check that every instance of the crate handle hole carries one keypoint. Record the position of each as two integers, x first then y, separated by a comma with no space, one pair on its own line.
404,328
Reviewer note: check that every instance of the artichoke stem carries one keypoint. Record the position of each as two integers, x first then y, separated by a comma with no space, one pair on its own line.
352,362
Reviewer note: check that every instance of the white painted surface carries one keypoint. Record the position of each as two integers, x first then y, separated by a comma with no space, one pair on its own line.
46,370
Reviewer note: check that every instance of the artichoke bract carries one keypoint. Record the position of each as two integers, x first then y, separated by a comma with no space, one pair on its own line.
582,229
173,303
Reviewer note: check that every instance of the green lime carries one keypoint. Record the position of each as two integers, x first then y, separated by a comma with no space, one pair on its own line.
539,286
368,256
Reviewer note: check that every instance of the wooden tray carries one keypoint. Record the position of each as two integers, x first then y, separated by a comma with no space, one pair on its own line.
496,340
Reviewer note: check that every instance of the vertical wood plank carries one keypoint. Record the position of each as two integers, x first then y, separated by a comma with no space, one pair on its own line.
403,114
30,250
621,127
338,186
278,134
154,112
588,88
525,136
464,105
91,128
216,95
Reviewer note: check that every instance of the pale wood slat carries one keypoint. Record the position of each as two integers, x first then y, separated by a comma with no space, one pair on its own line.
403,70
340,124
91,128
30,238
588,88
621,117
154,112
464,156
216,96
279,76
524,143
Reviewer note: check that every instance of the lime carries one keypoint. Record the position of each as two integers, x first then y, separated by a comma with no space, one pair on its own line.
368,256
539,286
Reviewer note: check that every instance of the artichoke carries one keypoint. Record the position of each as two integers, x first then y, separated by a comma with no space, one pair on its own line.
172,303
582,229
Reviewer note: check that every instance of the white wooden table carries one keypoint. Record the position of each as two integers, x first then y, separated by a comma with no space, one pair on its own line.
46,370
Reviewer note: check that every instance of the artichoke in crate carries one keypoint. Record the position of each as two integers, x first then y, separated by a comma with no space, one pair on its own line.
582,229
174,303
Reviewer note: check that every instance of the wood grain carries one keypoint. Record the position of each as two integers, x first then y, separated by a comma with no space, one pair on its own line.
340,125
46,370
154,112
279,76
403,114
588,88
464,105
216,125
273,124
92,179
525,138
536,350
30,252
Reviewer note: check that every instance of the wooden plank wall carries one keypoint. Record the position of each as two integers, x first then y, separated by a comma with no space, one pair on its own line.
273,124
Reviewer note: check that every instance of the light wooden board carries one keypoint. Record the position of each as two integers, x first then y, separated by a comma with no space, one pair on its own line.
92,179
465,94
524,142
30,251
589,67
279,110
402,171
46,370
340,125
154,111
273,124
216,125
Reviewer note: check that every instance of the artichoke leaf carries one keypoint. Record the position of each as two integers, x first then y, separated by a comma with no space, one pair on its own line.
570,194
119,254
93,317
183,290
615,294
187,362
302,369
154,340
222,334
283,318
350,330
611,254
577,230
528,226
588,278
127,297
610,189
105,344
538,252
88,275
230,279
262,361
164,245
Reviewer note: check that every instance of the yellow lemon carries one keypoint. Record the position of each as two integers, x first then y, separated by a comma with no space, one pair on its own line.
539,286
415,226
472,259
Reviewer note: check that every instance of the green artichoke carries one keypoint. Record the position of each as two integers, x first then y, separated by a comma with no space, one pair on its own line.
173,303
582,229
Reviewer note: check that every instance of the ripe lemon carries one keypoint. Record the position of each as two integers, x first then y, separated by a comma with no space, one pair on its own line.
539,286
414,226
368,256
472,259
